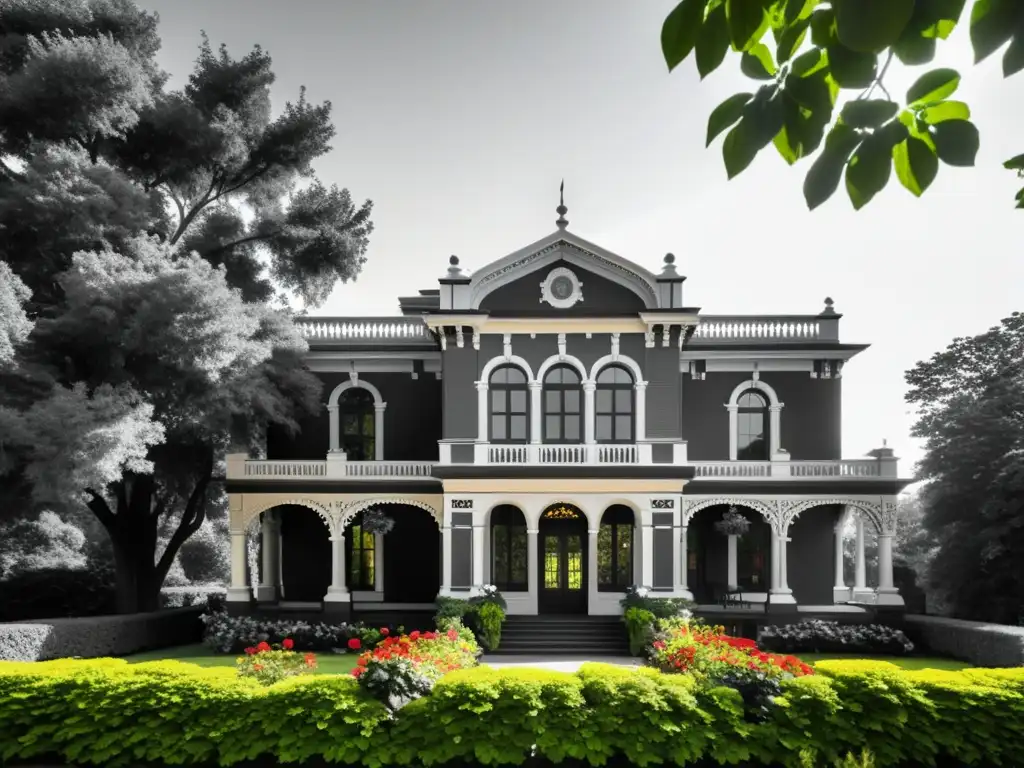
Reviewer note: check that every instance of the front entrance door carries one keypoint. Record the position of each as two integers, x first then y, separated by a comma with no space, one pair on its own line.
562,561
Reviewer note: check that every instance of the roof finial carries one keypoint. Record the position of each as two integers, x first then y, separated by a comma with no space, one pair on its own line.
561,210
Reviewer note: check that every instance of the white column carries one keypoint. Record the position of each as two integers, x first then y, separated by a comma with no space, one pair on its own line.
337,592
887,593
271,545
682,557
783,564
780,591
774,564
332,414
531,568
860,575
378,562
592,590
641,411
238,592
774,422
732,577
840,582
446,561
481,411
535,411
647,552
588,411
378,431
478,555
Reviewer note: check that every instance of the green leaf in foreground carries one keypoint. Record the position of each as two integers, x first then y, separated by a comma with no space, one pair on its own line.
870,26
825,173
956,142
868,113
757,62
680,30
868,170
933,86
726,114
946,110
712,42
916,164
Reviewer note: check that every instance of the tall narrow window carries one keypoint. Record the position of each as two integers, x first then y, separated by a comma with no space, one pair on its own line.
615,549
357,415
563,406
360,557
508,549
614,406
752,427
752,555
509,405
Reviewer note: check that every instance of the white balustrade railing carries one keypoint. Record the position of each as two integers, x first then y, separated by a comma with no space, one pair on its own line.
363,329
334,470
753,470
285,470
739,328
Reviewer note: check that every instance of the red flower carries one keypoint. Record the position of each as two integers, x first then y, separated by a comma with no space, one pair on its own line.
453,635
356,672
264,646
250,650
310,659
414,635
385,631
257,667
362,661
354,643
287,644
659,644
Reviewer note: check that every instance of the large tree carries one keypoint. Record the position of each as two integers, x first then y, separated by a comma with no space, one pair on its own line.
818,49
153,240
970,400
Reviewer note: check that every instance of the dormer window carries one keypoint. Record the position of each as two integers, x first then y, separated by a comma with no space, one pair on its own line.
510,414
563,406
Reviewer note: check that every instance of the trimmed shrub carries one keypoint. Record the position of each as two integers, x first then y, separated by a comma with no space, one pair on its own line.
93,636
233,634
108,712
58,593
817,636
661,607
987,645
196,594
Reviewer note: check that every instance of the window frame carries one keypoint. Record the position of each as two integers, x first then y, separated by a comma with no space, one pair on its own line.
765,412
355,565
562,388
614,413
615,519
508,413
512,520
365,411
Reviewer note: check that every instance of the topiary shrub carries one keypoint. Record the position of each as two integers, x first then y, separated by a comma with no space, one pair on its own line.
817,636
58,593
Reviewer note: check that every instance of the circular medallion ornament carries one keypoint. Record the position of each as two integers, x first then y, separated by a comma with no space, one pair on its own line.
561,288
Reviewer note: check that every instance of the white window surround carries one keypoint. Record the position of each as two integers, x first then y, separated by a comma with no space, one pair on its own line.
378,424
774,412
535,383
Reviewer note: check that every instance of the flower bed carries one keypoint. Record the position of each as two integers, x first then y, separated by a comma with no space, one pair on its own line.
817,636
116,714
268,664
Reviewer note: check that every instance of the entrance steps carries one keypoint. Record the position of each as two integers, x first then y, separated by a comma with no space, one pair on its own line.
563,635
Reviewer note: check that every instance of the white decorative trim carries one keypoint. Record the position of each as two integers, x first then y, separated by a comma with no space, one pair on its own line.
495,362
343,514
379,405
617,359
767,508
570,360
774,415
575,295
252,524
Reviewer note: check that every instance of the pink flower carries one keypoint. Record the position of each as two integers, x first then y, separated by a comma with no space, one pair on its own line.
385,631
287,644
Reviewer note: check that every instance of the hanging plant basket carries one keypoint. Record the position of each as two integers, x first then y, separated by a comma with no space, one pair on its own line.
732,523
375,521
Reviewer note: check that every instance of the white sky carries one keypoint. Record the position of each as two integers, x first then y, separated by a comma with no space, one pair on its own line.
459,118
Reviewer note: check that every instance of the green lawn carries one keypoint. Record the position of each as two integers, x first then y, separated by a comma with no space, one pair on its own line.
906,662
327,663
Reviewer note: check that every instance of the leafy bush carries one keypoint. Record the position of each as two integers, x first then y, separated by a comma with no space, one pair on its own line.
757,688
268,664
232,634
206,556
209,595
464,632
404,667
45,543
489,594
987,645
451,608
111,713
638,625
818,636
58,593
661,607
491,618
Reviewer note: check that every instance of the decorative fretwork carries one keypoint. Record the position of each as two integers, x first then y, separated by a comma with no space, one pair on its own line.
562,513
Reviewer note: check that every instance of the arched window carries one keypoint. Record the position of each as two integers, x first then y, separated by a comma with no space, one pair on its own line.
360,544
510,413
563,406
752,427
615,405
508,549
357,416
615,549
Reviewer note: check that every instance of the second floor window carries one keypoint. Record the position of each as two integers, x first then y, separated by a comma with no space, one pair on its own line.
614,406
563,406
752,427
358,417
509,405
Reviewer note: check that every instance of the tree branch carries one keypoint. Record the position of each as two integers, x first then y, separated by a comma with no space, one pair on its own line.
99,507
192,519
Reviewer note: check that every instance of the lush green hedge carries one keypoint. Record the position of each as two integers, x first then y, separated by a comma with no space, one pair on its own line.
106,711
987,645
